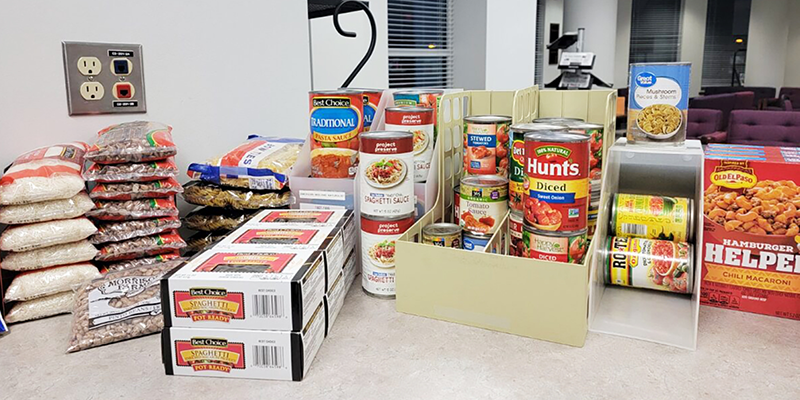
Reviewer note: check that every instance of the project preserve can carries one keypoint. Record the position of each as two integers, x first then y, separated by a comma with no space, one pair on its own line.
516,172
652,217
648,264
387,186
418,121
378,237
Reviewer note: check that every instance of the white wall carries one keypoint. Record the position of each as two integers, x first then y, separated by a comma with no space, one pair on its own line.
216,71
767,35
334,56
469,44
599,18
622,51
510,44
792,73
553,14
693,31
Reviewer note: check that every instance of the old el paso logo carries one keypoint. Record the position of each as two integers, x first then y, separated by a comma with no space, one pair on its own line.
209,304
567,168
734,175
210,354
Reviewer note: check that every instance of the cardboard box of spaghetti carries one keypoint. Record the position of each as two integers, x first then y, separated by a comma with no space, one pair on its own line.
334,299
251,354
275,289
328,239
751,244
343,220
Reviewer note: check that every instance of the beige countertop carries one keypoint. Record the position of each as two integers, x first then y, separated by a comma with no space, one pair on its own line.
374,352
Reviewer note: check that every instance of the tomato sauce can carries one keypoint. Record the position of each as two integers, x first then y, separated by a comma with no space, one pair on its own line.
557,188
386,187
475,241
648,264
566,247
418,121
516,172
371,99
336,119
442,234
516,247
484,203
652,217
457,203
486,145
378,237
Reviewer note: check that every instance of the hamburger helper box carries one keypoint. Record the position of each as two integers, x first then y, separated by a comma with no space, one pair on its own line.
276,289
252,354
751,246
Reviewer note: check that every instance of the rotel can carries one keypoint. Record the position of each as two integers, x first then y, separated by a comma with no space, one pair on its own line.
378,237
418,121
557,185
516,172
387,187
648,264
652,217
486,145
566,247
336,119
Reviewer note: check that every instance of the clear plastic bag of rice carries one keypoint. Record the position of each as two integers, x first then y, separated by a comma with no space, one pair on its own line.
135,141
171,257
136,190
43,234
68,253
124,230
72,207
132,172
46,173
59,303
122,210
44,282
142,246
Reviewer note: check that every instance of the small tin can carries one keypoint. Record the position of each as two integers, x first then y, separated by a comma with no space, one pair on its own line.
595,133
418,121
475,241
387,187
372,97
652,217
486,145
516,173
378,237
457,203
516,246
566,247
337,117
557,185
484,203
648,264
442,234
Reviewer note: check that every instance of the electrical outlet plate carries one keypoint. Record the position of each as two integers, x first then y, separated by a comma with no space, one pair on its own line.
112,71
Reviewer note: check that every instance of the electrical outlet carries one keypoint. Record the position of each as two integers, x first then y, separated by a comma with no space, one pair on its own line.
92,68
92,91
89,66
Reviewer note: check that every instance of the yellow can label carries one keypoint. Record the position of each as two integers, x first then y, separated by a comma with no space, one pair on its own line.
651,217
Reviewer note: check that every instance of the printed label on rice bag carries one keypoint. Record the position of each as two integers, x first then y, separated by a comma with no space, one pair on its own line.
71,152
124,298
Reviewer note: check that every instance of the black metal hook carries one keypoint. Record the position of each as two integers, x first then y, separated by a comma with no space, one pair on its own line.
374,33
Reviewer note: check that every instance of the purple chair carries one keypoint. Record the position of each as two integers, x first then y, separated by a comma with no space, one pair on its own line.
761,92
764,128
792,94
722,102
705,126
744,101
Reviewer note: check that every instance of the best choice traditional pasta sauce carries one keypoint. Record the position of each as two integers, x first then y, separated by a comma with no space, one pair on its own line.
557,185
336,117
378,237
649,264
387,168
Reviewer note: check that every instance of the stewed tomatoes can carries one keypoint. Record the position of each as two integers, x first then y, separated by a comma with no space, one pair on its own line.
442,234
648,264
378,237
652,217
371,99
557,185
486,145
484,203
387,185
516,172
418,121
516,247
336,119
566,247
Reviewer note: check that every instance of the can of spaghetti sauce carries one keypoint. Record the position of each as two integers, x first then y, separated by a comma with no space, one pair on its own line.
516,172
557,186
371,99
648,264
378,237
386,187
418,121
336,119
484,203
566,247
652,217
486,145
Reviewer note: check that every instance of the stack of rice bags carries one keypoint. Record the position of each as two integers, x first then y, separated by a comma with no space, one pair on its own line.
234,185
43,202
132,173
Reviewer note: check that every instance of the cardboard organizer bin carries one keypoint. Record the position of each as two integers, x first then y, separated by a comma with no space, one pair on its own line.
533,298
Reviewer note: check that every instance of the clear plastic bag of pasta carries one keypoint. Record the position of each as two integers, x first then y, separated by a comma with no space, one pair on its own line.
210,219
209,194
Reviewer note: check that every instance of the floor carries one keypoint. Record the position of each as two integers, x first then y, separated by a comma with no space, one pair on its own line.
374,352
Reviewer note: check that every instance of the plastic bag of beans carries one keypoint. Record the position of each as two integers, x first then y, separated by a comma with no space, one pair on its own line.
132,172
122,210
136,190
171,257
124,230
142,246
133,142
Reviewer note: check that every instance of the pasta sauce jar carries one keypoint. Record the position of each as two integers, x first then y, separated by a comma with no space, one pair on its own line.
648,264
386,186
566,247
484,203
336,120
516,173
418,121
652,217
378,237
557,185
486,144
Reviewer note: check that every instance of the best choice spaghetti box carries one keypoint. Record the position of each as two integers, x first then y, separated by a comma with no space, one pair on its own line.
334,299
327,239
251,354
342,219
257,289
751,242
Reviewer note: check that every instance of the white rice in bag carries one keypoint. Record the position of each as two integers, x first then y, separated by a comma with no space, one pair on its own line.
44,282
59,254
59,303
44,234
46,173
72,207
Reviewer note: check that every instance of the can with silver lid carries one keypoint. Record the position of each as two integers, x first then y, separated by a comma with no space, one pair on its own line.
516,174
387,186
421,98
557,120
378,237
443,234
371,99
566,247
651,217
648,264
418,121
484,203
475,241
486,144
337,117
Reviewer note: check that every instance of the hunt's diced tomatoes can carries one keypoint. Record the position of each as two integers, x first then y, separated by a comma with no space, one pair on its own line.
557,185
336,118
516,172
